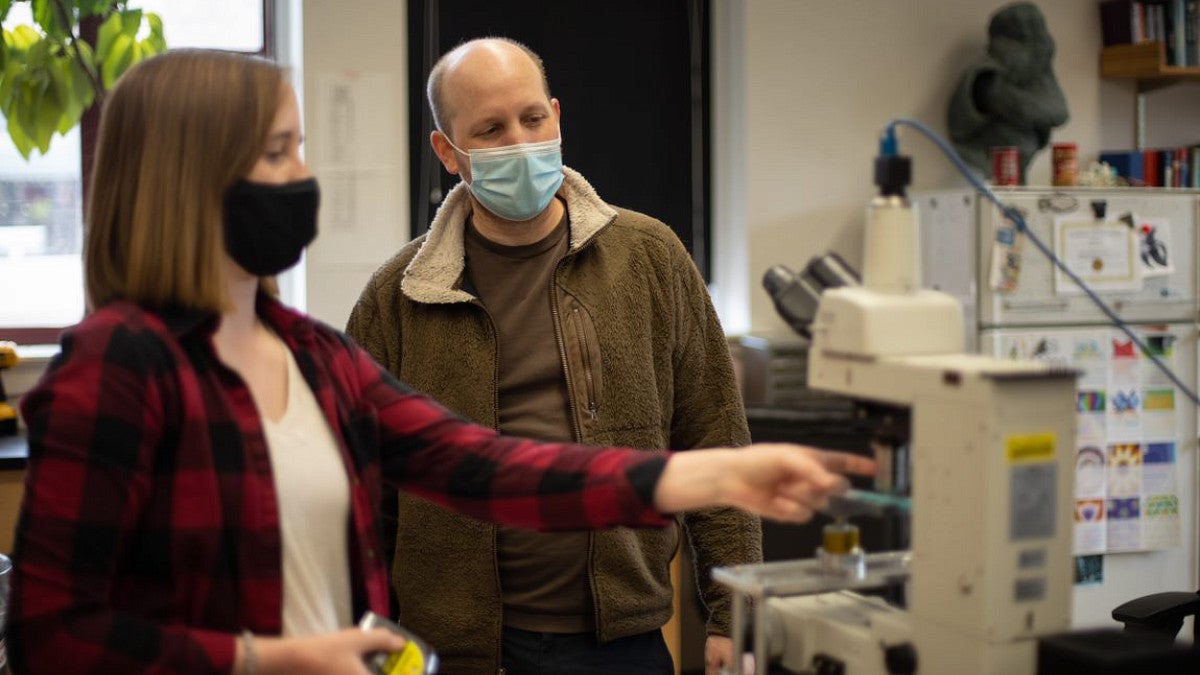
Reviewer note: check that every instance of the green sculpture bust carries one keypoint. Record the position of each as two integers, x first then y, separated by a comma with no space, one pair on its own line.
1010,98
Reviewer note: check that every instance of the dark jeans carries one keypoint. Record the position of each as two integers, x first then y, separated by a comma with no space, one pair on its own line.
527,653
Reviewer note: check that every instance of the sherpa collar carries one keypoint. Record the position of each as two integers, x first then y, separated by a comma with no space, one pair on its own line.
434,273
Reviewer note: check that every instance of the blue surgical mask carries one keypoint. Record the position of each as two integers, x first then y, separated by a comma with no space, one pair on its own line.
516,182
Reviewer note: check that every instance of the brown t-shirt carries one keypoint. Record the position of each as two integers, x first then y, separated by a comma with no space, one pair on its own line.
543,576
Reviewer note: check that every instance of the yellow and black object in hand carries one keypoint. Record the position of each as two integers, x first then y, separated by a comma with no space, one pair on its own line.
8,414
416,658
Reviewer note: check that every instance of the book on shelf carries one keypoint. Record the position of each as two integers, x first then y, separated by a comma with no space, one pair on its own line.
1167,27
1173,20
1177,167
1191,31
1121,22
1177,41
1157,25
1178,174
1127,164
1174,23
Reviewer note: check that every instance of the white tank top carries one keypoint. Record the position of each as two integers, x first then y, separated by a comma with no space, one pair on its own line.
314,512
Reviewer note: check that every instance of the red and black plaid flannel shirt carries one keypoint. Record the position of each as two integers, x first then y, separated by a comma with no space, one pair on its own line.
149,531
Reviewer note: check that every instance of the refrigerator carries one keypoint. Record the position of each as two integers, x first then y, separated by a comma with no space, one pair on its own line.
1136,473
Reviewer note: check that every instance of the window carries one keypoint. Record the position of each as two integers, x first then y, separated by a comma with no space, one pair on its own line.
236,25
40,232
41,203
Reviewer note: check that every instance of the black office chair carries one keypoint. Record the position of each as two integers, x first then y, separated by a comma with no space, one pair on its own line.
1160,614
1147,645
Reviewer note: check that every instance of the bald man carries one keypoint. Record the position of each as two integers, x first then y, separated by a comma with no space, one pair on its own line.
533,306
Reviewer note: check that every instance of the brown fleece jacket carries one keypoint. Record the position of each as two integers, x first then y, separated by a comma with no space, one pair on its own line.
647,366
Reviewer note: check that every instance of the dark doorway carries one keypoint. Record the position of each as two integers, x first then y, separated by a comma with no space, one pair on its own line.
632,79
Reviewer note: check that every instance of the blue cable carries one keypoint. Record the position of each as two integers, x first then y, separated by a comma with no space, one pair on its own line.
888,146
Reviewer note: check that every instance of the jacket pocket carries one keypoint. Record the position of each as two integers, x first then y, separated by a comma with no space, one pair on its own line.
445,581
633,578
585,371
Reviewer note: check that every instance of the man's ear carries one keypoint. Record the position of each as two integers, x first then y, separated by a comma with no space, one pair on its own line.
444,151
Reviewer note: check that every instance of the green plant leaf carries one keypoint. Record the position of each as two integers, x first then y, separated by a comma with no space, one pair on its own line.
109,29
81,83
86,73
120,57
50,18
22,37
49,77
70,106
19,139
153,44
23,110
46,121
60,79
68,121
151,47
88,52
43,15
12,72
35,112
156,40
39,54
131,21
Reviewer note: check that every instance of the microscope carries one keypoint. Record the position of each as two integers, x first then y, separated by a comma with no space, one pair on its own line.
991,451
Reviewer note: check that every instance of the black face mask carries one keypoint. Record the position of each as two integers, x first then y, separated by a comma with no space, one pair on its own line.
267,226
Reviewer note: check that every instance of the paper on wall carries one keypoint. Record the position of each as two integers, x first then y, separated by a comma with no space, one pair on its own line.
1101,253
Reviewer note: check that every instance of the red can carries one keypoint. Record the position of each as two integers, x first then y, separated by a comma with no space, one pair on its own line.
1006,166
1066,164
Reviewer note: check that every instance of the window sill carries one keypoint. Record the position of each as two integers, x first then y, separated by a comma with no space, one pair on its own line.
36,354
22,377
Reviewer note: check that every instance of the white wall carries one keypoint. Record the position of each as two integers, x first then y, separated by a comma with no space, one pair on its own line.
801,90
356,120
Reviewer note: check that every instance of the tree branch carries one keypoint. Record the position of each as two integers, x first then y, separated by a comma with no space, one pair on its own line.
93,77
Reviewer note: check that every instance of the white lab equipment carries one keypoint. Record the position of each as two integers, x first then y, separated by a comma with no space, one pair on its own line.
992,454
1021,307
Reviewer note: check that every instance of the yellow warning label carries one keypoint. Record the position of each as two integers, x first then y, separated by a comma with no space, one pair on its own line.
407,661
1031,447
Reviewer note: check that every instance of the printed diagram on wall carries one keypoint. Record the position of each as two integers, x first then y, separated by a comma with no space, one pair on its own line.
353,113
1126,492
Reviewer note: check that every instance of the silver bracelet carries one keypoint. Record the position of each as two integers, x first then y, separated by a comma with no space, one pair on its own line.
247,653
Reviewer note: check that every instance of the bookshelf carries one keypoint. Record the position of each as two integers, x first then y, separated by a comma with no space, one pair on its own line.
1146,64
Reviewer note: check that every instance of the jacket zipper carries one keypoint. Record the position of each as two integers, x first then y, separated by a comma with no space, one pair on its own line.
593,409
495,366
575,427
591,572
576,430
495,425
